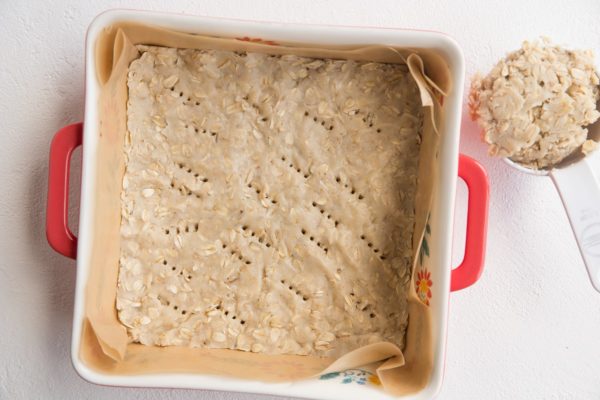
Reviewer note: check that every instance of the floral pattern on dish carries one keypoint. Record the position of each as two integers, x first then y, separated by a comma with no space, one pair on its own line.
424,250
356,375
423,285
257,40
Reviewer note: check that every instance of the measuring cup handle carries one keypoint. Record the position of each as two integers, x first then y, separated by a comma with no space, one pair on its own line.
579,188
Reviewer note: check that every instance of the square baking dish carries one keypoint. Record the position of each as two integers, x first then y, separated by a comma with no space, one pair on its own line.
435,277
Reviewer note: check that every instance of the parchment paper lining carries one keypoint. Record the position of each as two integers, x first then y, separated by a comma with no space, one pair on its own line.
104,345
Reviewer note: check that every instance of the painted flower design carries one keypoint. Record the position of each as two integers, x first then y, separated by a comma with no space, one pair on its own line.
424,250
359,376
257,40
423,285
374,379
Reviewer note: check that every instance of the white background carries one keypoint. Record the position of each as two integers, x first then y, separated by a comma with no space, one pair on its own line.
530,329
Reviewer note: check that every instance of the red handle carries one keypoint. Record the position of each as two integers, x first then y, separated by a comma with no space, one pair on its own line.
469,271
58,233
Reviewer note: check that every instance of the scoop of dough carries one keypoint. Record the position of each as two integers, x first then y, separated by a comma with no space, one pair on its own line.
534,104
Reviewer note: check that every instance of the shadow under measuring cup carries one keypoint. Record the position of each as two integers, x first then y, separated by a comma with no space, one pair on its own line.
578,184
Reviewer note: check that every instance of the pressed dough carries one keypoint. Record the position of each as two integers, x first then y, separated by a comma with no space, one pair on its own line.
268,201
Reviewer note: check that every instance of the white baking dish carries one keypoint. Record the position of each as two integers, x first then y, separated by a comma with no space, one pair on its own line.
438,277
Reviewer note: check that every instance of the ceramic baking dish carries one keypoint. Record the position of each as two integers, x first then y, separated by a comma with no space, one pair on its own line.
435,279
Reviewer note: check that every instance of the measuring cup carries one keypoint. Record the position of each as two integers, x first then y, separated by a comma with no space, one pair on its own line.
577,180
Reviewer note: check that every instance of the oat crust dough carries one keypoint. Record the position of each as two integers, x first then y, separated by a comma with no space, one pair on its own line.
268,202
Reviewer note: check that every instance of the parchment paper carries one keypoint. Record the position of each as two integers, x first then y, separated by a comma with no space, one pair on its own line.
104,345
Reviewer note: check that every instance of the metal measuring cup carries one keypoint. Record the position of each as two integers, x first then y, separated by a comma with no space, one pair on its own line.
577,180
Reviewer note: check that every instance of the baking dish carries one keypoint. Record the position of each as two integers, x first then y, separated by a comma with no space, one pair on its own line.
435,278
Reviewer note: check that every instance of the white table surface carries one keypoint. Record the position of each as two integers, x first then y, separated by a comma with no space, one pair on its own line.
530,329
